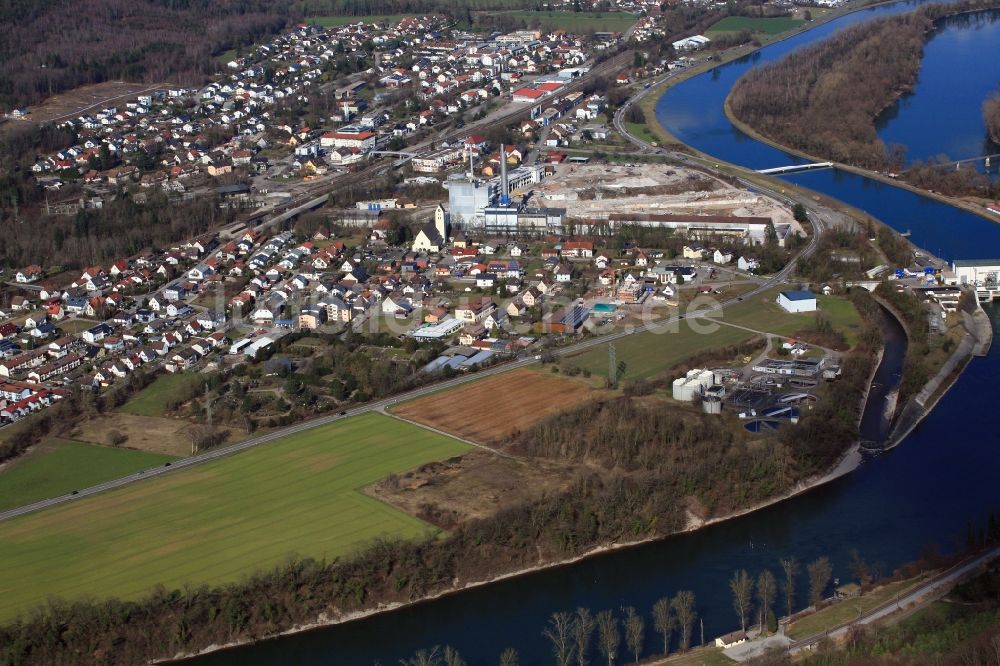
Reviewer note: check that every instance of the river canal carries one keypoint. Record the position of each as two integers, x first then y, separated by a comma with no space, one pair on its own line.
942,477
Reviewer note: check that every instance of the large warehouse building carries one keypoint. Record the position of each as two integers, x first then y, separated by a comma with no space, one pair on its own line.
979,272
747,230
797,301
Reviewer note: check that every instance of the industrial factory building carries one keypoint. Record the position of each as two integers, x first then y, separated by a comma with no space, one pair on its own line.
487,204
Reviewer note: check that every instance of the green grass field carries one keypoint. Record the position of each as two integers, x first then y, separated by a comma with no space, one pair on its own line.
575,21
763,314
646,354
847,609
152,400
760,26
226,57
642,131
335,21
75,326
60,466
222,520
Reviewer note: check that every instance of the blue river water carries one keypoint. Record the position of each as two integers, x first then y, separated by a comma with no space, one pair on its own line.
940,479
693,111
964,47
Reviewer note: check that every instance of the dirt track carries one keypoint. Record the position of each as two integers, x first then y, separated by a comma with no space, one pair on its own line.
74,102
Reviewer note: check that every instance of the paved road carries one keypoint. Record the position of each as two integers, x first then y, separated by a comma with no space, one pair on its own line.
923,594
819,223
315,194
661,326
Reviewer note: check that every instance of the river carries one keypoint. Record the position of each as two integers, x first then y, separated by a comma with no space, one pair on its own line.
942,477
936,101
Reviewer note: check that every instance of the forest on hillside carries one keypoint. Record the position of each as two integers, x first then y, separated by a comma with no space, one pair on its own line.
825,99
50,47
121,229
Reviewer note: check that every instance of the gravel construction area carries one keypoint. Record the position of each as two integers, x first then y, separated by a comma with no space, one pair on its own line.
593,191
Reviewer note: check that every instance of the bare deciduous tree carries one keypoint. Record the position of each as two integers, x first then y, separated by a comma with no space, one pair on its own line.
663,621
860,568
684,610
742,588
608,636
115,438
452,657
560,634
583,630
635,632
766,591
509,657
790,567
819,572
430,657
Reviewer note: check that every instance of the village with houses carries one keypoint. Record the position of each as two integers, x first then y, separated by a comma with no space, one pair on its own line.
524,248
529,234
241,140
215,300
383,307
185,140
315,103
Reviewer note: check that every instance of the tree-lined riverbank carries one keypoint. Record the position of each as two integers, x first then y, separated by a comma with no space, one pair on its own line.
633,494
991,115
823,99
805,101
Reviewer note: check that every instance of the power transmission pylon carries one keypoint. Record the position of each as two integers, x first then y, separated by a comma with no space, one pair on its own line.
612,366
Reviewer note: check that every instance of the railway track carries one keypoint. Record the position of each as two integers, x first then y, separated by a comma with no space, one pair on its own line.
375,168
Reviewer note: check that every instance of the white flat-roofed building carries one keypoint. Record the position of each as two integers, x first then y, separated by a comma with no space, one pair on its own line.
797,301
442,329
979,272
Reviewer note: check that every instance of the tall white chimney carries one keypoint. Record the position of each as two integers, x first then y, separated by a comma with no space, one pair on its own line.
504,189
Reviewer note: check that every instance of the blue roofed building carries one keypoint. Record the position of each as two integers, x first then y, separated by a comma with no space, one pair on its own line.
801,300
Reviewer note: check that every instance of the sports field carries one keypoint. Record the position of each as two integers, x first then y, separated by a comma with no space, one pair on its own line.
59,466
152,400
646,354
221,520
761,26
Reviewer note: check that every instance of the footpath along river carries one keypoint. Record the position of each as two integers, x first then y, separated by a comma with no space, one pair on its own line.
942,477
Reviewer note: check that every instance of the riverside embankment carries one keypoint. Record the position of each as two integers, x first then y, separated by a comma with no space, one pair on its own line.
924,491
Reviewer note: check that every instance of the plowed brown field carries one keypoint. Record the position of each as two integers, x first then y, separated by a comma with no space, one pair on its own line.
487,411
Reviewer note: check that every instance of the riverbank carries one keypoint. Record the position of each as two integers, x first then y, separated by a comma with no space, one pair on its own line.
967,206
826,522
976,342
656,91
652,97
847,463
